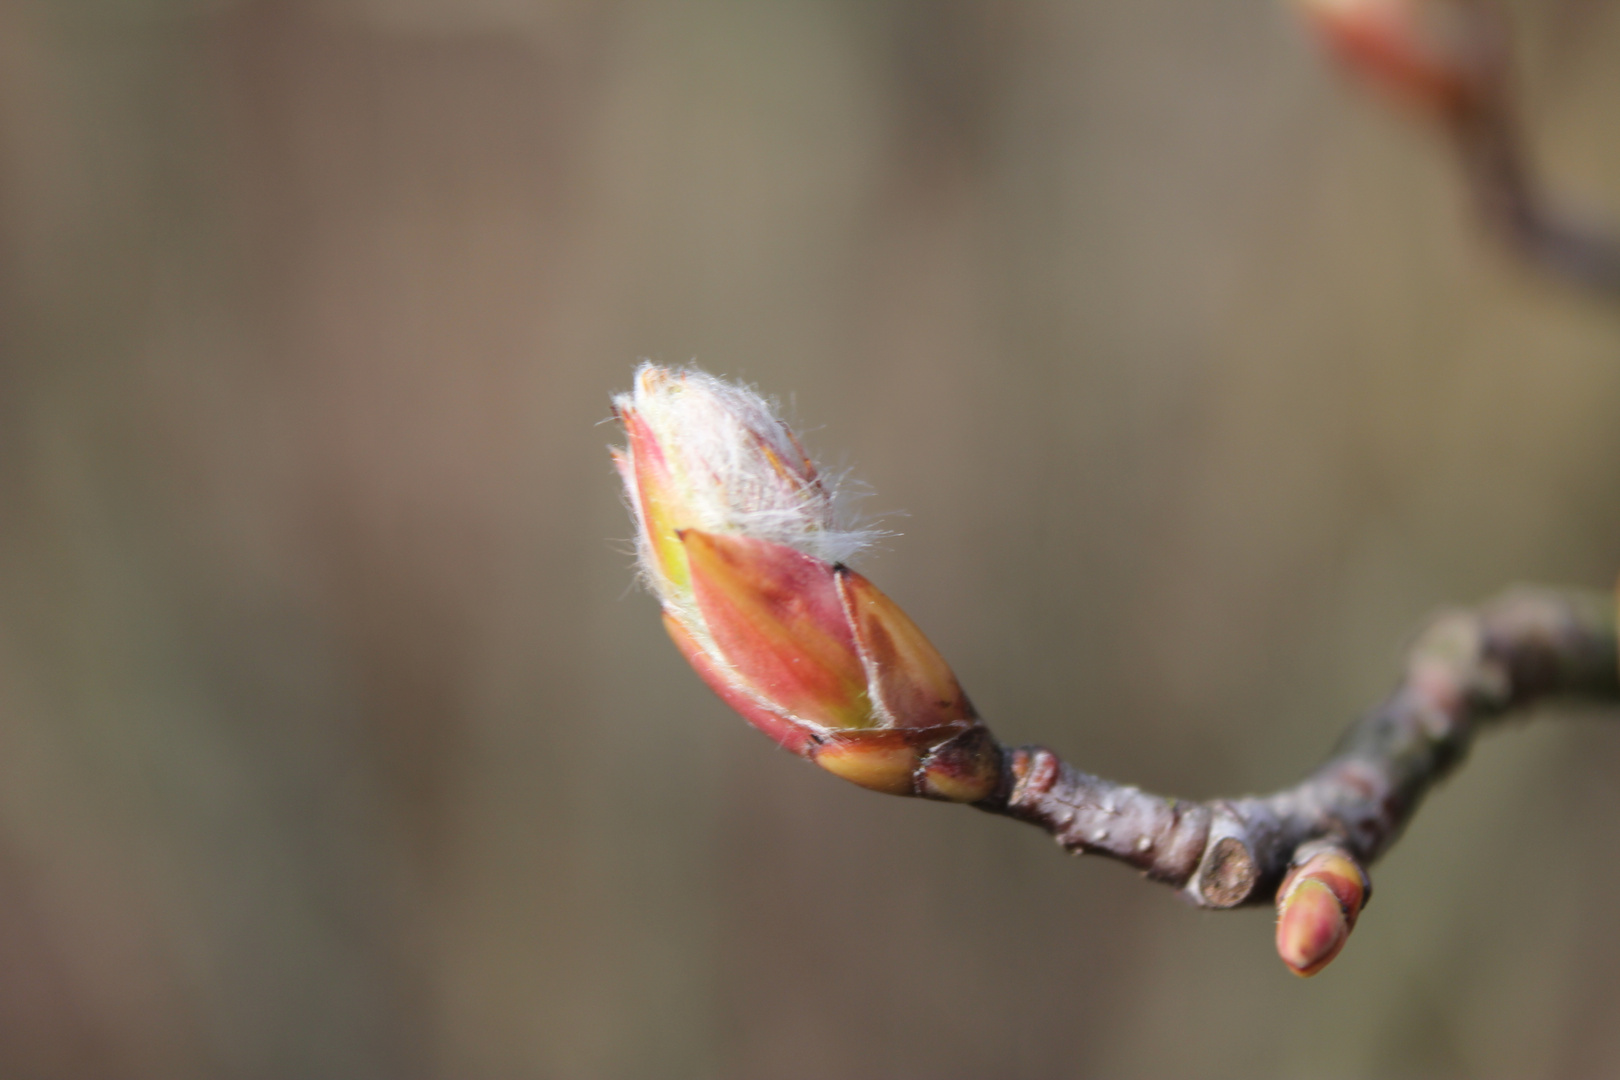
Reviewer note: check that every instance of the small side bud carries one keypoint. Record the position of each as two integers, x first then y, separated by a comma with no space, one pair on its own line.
1317,907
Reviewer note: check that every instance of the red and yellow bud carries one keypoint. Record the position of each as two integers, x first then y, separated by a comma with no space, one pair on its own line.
1445,57
737,536
1317,907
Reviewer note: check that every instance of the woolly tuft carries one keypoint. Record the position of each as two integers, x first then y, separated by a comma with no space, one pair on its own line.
733,466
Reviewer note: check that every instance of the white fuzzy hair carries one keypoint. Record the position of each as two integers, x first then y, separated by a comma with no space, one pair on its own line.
720,438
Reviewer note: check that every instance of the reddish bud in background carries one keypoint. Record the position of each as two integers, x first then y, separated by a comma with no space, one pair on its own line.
738,537
1447,57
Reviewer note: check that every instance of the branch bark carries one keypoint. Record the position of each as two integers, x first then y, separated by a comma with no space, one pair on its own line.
1515,207
1468,669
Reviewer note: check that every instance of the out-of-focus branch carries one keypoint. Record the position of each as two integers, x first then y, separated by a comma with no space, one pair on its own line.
1469,668
1450,62
1516,208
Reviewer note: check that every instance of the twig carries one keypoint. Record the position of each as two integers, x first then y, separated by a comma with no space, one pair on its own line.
1451,62
1517,210
1469,668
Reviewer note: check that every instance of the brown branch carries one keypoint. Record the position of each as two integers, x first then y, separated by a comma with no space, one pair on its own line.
1516,208
1451,62
1467,669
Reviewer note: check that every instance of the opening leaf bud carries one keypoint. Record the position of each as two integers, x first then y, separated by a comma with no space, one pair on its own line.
738,536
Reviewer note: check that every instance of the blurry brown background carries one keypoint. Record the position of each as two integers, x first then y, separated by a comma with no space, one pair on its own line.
335,743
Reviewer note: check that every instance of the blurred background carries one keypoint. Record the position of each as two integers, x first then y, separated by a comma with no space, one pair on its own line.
336,742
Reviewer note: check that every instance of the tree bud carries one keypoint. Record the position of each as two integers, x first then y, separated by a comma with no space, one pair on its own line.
737,535
1440,56
1317,908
